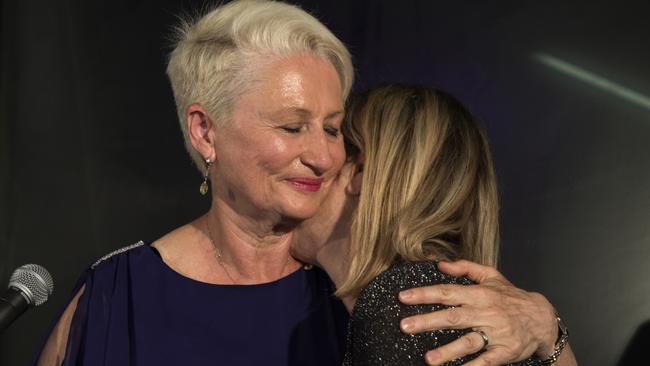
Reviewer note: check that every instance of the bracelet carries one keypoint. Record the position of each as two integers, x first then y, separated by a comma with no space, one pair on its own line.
562,340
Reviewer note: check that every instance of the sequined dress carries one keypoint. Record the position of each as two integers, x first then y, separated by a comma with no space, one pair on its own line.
374,336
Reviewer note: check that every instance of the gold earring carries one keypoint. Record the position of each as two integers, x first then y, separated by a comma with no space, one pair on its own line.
204,185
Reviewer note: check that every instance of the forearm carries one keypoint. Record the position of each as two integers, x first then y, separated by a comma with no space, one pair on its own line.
54,350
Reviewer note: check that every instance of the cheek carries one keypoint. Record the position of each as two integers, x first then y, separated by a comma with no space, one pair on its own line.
278,146
273,153
338,155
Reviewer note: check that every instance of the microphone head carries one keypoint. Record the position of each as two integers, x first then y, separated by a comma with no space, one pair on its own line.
34,282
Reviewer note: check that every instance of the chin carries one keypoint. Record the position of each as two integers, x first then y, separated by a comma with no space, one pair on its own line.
301,215
301,212
299,206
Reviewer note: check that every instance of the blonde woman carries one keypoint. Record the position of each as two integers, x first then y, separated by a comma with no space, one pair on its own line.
421,176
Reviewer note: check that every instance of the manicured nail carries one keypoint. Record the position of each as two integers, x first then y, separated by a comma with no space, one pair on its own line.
407,324
405,295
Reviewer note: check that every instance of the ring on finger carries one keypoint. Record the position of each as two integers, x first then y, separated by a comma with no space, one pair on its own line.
486,340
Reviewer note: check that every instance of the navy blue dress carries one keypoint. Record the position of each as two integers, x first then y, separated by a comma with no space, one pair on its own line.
136,310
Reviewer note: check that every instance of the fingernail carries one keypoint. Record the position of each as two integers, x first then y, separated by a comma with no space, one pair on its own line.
407,324
432,357
405,295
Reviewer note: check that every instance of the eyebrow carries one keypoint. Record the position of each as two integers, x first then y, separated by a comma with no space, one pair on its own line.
302,112
334,115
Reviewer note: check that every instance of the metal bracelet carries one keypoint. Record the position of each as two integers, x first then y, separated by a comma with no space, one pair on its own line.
562,341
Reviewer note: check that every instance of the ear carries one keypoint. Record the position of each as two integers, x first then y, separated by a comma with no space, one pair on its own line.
201,131
354,187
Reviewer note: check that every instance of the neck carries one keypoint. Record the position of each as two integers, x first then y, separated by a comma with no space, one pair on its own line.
250,251
333,258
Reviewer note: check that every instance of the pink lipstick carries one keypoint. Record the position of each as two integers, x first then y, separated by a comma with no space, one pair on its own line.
306,184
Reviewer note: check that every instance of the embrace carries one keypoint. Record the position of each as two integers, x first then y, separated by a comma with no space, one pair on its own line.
361,232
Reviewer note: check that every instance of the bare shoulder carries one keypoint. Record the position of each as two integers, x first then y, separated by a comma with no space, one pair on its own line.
174,244
184,251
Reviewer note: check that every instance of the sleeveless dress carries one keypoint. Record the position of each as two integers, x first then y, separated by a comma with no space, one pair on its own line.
374,336
136,310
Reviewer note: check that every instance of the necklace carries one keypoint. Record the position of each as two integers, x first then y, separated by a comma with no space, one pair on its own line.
219,254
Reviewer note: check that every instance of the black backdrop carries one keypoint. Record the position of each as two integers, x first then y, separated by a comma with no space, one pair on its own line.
91,157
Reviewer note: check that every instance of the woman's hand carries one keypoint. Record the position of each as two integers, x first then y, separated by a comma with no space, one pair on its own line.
517,323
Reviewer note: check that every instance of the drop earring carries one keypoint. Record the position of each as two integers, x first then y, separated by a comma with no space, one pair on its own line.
204,185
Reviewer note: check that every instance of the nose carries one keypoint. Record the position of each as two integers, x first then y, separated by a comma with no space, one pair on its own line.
318,152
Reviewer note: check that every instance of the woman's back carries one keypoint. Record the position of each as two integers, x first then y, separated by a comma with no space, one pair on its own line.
374,336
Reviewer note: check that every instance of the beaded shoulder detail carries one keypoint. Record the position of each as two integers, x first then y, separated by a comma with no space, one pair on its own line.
116,252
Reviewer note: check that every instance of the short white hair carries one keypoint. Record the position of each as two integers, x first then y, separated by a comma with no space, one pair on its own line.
214,54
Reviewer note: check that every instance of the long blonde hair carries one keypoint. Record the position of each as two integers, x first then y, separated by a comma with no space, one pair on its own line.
429,188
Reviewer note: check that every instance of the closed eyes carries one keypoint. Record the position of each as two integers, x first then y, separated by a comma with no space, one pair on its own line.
332,131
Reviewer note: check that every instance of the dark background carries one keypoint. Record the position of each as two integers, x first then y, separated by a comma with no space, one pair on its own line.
91,157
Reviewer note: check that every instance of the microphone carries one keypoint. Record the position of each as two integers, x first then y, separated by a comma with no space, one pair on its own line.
30,285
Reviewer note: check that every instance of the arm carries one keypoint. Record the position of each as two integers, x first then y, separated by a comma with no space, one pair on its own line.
53,353
518,323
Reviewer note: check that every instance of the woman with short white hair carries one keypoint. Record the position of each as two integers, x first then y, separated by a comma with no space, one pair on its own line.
260,89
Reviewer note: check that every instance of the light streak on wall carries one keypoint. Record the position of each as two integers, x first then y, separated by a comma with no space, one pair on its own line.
594,80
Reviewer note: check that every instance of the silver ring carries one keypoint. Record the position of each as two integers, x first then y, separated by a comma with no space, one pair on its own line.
486,340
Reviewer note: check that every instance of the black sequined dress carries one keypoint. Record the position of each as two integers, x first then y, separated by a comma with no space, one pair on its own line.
374,335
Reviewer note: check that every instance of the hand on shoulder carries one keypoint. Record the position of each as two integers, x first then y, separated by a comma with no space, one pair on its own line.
517,323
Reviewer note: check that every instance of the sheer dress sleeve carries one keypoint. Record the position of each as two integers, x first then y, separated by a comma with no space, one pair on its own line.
86,327
54,350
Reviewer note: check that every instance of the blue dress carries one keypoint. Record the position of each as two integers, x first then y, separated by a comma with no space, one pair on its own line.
136,310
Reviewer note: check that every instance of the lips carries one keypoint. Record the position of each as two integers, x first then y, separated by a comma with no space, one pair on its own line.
306,184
